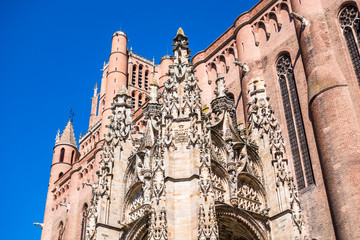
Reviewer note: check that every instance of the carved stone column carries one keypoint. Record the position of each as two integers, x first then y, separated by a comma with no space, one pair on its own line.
105,208
265,128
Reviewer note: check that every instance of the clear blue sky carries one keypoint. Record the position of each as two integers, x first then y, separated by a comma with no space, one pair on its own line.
51,56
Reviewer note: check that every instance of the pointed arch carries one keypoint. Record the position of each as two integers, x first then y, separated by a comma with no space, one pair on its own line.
251,193
350,24
146,80
140,101
212,72
140,76
237,224
222,65
273,22
230,58
262,32
134,203
133,79
284,13
72,156
84,215
139,230
62,154
133,99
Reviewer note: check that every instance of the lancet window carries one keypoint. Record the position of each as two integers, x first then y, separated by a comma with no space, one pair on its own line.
133,99
84,221
350,24
72,156
62,153
146,80
140,100
296,131
140,76
133,80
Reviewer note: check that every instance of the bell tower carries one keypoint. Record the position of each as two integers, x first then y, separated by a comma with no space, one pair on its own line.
65,153
64,156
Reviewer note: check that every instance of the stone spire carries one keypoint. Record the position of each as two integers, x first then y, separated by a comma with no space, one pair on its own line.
57,138
68,135
181,95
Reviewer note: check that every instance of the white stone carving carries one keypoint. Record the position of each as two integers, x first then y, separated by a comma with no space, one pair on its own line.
262,118
158,225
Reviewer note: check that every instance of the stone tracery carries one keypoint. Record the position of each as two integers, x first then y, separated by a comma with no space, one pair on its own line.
230,171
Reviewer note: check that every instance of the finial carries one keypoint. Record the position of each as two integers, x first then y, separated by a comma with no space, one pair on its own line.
57,136
153,60
71,117
80,136
95,90
104,64
131,49
180,31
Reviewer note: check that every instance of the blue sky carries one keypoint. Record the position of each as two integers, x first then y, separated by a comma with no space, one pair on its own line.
51,56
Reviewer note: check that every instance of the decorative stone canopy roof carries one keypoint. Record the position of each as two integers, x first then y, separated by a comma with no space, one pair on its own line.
68,136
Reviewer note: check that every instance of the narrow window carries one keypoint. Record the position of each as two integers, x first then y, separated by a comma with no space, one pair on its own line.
62,153
293,114
146,80
72,156
133,99
140,100
61,174
140,76
84,221
61,230
350,24
233,112
133,80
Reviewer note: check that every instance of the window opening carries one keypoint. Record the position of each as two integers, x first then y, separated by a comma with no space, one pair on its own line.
297,136
350,24
62,153
140,76
133,81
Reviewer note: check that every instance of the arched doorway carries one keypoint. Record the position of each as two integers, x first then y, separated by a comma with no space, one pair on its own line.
237,224
138,230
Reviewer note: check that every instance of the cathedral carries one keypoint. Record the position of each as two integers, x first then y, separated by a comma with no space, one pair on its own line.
255,137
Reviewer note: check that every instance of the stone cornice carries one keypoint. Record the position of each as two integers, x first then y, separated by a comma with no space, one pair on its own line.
142,58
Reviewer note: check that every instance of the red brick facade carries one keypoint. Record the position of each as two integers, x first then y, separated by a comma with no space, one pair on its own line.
317,102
